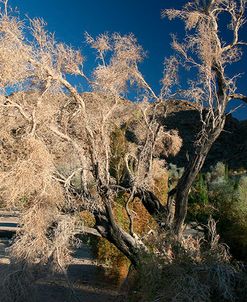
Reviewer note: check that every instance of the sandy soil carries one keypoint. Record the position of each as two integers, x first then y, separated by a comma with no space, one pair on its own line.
90,281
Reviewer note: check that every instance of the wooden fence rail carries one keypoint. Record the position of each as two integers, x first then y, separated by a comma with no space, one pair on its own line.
9,221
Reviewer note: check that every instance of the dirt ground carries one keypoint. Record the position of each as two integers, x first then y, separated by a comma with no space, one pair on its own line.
90,281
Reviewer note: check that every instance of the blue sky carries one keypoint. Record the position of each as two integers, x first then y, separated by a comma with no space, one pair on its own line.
70,19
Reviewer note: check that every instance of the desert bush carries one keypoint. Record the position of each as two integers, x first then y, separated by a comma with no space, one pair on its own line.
191,271
223,196
233,220
174,173
56,142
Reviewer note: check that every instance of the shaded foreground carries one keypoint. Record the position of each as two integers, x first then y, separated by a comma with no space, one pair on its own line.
90,281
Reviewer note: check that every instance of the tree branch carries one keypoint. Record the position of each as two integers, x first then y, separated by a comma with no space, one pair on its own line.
91,231
238,96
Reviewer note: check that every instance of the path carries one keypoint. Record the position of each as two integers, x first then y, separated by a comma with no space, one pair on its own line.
90,281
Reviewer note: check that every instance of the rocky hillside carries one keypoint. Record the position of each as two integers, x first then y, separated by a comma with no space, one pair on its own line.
230,148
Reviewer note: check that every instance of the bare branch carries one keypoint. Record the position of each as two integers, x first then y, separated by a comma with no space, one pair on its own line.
130,199
11,103
238,96
88,230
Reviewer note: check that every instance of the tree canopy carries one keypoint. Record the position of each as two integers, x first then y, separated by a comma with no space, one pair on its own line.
63,152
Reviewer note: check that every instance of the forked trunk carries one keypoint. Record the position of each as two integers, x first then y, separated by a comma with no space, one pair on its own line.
132,247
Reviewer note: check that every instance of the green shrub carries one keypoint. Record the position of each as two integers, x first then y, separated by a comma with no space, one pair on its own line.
224,197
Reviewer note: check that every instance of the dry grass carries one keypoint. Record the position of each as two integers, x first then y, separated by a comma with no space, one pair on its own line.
55,143
194,270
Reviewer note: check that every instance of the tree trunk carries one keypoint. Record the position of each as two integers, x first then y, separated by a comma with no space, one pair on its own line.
154,207
189,176
132,247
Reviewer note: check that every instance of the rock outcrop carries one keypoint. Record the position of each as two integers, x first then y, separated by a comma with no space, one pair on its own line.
230,148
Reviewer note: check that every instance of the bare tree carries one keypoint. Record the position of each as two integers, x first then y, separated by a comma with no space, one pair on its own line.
204,51
56,143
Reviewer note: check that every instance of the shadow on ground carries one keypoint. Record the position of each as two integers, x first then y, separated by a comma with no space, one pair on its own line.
89,281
